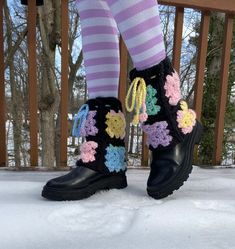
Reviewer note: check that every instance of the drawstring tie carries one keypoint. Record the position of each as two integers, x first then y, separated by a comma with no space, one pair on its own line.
138,92
80,120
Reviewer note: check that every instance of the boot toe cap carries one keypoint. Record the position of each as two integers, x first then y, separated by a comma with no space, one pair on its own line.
58,182
53,183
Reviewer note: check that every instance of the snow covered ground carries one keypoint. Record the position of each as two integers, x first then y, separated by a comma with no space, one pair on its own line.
199,215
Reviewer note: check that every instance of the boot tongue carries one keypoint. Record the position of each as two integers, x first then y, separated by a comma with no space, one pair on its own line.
110,103
104,133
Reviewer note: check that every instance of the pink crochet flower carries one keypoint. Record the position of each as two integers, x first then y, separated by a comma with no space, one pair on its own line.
88,151
143,117
172,87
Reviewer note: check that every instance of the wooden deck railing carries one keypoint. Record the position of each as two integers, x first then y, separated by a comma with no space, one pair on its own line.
206,6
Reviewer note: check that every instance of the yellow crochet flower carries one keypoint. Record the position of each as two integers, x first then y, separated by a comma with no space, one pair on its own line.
186,118
116,124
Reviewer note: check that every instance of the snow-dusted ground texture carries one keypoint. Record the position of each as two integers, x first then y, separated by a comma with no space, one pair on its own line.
200,215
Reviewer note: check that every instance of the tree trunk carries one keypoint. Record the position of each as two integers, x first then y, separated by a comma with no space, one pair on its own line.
49,24
16,109
16,117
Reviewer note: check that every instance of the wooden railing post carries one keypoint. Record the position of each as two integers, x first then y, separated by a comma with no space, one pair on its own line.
123,72
145,151
201,63
33,100
2,94
200,74
122,94
219,130
64,82
179,21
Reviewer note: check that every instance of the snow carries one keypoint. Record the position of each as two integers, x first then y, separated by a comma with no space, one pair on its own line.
200,215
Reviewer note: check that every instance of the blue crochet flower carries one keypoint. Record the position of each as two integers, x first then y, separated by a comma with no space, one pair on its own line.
115,158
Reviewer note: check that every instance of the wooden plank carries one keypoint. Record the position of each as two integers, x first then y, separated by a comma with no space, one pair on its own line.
201,63
123,73
200,74
2,94
179,21
145,152
123,80
64,82
219,130
33,103
227,6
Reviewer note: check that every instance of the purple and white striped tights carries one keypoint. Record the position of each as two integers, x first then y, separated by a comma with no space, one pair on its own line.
102,20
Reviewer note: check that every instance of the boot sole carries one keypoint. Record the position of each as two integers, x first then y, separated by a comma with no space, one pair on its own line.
183,174
112,182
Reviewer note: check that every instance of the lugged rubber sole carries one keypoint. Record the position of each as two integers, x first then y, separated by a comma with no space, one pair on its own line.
112,182
184,172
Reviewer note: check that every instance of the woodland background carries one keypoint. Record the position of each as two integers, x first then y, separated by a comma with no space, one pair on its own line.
49,82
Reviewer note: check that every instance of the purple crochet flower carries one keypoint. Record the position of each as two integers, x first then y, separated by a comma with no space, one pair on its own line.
89,128
157,134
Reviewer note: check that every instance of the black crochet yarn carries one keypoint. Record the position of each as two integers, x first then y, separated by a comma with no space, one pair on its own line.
156,77
38,2
102,138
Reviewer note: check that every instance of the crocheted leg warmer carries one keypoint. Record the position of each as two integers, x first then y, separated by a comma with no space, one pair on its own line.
101,122
164,116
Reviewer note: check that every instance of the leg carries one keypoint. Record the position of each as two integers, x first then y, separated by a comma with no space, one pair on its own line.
171,127
100,48
100,121
140,27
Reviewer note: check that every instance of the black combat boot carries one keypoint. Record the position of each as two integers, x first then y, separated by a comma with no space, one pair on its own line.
101,165
171,127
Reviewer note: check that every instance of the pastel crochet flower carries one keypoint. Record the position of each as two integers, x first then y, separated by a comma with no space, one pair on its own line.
157,134
88,151
89,128
116,124
115,158
151,101
80,120
143,117
172,87
186,118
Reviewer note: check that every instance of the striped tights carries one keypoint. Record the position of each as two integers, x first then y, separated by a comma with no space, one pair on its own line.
102,21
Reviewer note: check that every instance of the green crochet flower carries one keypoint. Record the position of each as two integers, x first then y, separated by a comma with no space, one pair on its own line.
151,101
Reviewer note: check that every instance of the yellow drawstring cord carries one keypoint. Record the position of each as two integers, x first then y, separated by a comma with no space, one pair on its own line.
138,91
